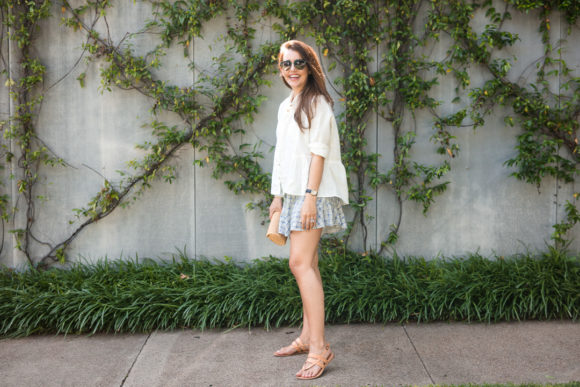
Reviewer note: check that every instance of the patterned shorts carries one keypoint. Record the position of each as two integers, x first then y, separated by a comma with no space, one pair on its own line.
329,215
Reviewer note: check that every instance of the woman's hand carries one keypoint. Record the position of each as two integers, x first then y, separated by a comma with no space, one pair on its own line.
276,206
308,213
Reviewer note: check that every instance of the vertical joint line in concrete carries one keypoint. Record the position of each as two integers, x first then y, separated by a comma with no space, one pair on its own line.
418,354
8,70
135,361
557,188
377,240
194,204
11,142
194,125
560,63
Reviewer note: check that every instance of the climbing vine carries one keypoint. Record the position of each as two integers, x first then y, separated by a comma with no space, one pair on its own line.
373,53
22,19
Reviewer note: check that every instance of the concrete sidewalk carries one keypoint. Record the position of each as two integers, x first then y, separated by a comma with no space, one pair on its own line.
366,354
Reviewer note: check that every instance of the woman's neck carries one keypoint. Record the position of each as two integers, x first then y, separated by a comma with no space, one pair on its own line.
295,93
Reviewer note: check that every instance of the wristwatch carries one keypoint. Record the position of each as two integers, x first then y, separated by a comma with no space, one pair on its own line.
311,192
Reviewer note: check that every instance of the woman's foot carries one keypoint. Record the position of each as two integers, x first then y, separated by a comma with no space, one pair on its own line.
297,347
316,364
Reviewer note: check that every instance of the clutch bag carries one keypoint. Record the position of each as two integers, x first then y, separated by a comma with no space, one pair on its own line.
272,232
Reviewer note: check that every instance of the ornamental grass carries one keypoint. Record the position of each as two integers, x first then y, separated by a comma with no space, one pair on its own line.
140,295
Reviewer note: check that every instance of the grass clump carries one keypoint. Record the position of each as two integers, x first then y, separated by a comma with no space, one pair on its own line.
568,384
142,295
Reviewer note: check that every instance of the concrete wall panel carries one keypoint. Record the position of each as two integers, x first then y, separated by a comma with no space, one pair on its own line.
157,224
224,226
387,212
357,239
6,247
571,55
107,126
484,209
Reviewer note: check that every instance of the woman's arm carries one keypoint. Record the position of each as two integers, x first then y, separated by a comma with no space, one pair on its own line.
276,205
308,211
315,175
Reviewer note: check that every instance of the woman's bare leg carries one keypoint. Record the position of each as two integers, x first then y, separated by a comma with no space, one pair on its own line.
303,254
305,334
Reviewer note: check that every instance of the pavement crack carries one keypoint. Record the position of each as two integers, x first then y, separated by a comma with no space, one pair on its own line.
418,354
136,358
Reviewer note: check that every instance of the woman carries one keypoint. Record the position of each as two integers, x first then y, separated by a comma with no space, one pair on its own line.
309,187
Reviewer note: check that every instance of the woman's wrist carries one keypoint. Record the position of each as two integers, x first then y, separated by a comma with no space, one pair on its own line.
313,192
310,197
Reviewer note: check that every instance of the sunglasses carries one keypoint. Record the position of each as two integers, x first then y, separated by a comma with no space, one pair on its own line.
299,64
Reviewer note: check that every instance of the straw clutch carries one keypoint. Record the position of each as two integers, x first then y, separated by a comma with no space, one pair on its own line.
272,233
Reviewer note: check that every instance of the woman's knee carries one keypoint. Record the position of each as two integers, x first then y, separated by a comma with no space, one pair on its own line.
299,266
315,261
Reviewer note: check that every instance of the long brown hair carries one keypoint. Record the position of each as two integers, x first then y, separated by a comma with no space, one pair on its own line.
315,84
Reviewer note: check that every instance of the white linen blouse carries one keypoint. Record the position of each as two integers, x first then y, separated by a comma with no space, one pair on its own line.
294,147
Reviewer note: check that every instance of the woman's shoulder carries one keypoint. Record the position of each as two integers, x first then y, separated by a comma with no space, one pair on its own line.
321,104
320,100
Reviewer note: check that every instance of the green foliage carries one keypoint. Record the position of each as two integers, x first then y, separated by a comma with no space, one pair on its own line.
101,203
561,229
143,295
350,35
22,18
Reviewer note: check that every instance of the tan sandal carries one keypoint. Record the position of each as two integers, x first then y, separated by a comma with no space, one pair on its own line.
320,360
298,346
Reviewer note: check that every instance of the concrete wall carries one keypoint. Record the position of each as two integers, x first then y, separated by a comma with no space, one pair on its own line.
484,209
6,185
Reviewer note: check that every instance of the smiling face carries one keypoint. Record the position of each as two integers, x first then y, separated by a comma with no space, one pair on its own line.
295,78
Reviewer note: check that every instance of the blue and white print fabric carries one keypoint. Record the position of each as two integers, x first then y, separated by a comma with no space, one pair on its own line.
329,215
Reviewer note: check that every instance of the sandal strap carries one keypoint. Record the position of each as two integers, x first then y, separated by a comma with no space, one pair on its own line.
311,361
321,360
299,346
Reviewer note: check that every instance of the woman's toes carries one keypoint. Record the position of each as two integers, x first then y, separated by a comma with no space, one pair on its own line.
313,371
281,352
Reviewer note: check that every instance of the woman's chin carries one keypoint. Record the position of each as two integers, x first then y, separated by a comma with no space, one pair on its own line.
296,86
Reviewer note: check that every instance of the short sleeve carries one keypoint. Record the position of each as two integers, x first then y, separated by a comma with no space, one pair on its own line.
320,128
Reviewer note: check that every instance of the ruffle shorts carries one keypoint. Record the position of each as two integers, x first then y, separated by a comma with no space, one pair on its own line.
329,215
